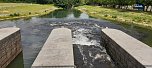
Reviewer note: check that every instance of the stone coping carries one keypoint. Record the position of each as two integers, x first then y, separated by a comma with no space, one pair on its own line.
4,32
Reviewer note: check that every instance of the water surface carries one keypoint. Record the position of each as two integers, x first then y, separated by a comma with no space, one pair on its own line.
88,50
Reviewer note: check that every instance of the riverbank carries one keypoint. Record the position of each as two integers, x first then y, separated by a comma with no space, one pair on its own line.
23,10
139,21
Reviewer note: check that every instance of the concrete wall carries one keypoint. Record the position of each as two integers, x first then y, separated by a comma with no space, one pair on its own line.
10,45
126,51
57,52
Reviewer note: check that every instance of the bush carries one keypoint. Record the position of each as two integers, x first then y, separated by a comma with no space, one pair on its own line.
133,20
106,15
15,14
11,15
30,13
114,16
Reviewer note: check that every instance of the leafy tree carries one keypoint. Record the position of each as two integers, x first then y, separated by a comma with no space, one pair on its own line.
67,4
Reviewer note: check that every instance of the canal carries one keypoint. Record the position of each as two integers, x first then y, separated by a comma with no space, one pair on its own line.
88,49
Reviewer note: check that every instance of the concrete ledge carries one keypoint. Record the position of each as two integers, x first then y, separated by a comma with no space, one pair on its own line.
127,51
5,32
57,51
10,45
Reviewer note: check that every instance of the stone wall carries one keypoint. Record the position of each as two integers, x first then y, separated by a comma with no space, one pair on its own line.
10,45
126,51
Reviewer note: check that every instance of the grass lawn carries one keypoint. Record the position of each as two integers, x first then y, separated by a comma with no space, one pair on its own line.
142,21
19,10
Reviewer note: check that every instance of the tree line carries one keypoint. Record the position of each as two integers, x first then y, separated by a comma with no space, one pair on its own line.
61,3
28,1
122,4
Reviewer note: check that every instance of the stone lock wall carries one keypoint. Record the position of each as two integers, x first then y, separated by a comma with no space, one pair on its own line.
121,58
10,47
123,50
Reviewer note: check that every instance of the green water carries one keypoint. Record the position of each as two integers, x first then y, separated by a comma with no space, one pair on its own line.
17,63
66,14
34,33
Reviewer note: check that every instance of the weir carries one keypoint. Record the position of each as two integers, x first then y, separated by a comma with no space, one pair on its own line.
57,51
10,45
125,51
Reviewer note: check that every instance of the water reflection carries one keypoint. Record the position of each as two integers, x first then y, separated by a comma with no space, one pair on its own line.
67,14
18,62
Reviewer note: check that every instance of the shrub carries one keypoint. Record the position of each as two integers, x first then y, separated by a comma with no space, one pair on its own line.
11,15
114,16
133,20
15,14
106,15
30,13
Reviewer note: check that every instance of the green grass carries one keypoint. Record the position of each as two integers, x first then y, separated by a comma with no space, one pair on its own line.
19,10
140,18
142,21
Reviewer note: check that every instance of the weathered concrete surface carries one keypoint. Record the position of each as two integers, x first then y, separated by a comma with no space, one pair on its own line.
57,51
10,45
4,32
126,50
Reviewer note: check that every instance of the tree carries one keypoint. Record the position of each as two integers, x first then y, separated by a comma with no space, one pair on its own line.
147,4
67,4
